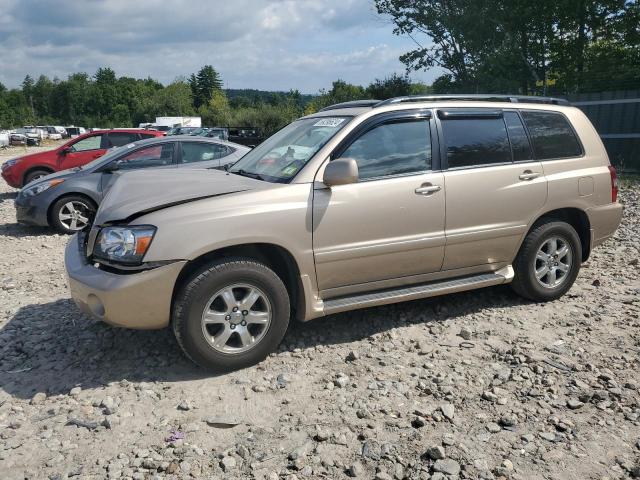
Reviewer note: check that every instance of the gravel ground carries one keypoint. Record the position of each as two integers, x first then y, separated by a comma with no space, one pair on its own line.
473,385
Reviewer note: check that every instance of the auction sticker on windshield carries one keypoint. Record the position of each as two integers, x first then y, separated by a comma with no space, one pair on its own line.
328,122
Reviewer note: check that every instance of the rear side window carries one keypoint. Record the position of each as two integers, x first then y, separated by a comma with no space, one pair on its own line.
202,152
551,135
147,135
118,139
518,137
476,141
392,149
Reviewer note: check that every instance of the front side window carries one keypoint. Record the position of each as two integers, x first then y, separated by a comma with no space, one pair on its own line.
202,152
474,142
392,149
551,135
152,156
89,143
281,156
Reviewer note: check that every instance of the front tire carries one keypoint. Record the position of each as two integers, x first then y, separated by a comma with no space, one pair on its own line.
72,213
35,175
548,261
231,314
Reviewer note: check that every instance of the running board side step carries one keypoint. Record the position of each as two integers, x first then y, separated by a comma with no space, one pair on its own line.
504,275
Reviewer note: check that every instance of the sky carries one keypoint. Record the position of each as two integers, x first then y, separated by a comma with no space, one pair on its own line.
267,45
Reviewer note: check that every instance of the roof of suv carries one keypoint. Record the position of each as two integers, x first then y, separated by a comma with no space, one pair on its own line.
357,107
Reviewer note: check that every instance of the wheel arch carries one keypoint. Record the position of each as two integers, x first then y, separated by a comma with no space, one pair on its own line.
276,257
575,217
26,173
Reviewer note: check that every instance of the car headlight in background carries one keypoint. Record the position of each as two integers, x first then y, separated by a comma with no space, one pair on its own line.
9,163
40,187
123,244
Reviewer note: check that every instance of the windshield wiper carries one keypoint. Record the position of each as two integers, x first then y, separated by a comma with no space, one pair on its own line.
244,173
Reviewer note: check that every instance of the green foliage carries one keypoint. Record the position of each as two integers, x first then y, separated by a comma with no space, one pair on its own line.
105,100
519,45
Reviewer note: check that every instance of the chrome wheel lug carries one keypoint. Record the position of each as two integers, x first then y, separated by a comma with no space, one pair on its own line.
233,326
243,323
228,317
245,313
235,309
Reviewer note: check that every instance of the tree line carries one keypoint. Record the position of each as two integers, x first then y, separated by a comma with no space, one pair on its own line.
105,100
521,46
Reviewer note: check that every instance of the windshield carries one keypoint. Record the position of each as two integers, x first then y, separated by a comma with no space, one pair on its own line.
281,156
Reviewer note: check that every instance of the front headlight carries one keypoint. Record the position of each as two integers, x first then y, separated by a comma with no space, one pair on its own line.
124,244
40,187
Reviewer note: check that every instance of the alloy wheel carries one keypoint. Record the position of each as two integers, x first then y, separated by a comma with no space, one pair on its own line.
236,318
74,215
553,262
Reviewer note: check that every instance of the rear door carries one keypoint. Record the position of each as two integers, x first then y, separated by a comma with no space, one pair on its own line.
83,151
494,187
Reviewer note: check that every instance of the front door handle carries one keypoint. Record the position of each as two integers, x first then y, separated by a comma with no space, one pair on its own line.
529,175
427,189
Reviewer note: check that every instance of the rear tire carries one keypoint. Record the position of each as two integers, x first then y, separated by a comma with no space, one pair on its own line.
72,213
34,175
231,314
548,261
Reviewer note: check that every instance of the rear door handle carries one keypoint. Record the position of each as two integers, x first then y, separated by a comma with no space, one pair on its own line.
529,175
427,189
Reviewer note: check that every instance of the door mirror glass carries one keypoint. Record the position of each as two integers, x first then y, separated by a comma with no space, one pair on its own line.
340,172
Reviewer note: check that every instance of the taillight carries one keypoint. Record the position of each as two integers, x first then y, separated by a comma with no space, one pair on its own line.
614,183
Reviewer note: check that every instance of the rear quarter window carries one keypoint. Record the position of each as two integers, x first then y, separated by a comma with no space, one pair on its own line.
551,135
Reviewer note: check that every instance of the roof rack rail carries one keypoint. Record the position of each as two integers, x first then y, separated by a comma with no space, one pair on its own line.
474,97
352,104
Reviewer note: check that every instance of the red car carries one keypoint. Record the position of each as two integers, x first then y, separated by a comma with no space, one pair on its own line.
19,171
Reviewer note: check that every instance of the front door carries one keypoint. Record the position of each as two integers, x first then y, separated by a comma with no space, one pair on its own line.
83,151
389,225
494,187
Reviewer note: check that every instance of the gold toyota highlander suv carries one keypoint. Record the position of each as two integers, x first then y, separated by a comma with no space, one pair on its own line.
363,203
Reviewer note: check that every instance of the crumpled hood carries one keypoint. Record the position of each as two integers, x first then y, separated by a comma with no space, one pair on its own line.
138,192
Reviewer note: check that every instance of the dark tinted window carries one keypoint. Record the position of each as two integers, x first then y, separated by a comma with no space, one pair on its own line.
517,137
392,149
551,135
202,152
147,135
118,139
476,141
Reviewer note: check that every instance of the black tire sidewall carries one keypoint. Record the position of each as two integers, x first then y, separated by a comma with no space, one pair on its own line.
197,292
55,210
30,176
525,265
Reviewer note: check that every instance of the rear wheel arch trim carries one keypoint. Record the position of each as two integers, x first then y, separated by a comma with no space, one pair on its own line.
574,216
260,252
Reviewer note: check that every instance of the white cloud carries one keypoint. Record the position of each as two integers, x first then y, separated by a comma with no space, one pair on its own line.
303,44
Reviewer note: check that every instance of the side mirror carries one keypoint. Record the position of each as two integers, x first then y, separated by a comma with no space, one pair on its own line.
66,150
340,172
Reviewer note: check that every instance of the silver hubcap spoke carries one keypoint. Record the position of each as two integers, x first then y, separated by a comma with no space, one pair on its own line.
236,318
553,262
74,215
